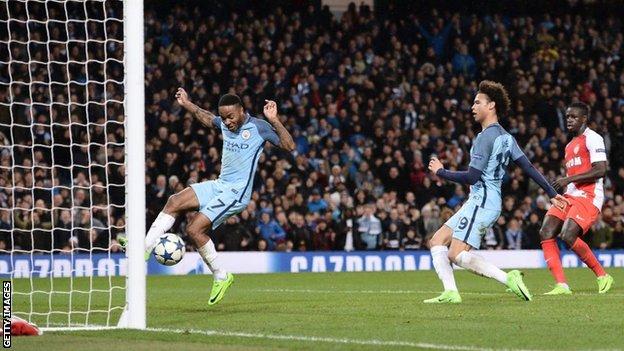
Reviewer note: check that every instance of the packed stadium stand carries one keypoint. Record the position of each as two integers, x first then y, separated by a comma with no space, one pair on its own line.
369,99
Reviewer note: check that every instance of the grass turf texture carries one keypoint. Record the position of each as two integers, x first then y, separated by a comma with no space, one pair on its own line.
360,309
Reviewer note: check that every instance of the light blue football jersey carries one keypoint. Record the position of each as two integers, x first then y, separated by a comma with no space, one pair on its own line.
491,152
241,151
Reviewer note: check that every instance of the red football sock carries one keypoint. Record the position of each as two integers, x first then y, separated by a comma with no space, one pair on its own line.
587,256
553,259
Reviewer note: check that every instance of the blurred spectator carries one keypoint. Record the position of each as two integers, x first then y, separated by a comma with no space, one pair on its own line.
369,228
232,236
464,63
272,233
411,241
514,235
300,235
494,238
601,234
262,245
324,236
392,237
316,203
531,233
618,236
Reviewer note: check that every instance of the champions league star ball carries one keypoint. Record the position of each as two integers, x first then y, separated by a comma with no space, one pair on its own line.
169,250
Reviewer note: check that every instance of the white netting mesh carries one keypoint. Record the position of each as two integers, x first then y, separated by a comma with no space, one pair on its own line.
62,186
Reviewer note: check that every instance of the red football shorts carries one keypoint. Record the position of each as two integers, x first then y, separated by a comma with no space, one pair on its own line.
579,209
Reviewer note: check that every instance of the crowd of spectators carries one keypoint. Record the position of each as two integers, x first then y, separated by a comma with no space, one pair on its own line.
368,96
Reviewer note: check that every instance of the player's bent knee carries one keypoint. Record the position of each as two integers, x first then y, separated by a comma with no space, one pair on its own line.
435,242
194,232
568,238
173,203
198,230
546,233
452,257
441,237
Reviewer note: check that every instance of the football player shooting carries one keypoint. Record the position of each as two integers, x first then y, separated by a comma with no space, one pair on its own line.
244,137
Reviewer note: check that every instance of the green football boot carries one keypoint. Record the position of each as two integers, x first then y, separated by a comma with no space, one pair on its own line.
604,283
515,283
559,290
448,296
219,287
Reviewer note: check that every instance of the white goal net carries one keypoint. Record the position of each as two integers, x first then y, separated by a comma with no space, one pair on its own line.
63,160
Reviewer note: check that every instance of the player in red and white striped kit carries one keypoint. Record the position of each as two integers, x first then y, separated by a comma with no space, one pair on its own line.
586,166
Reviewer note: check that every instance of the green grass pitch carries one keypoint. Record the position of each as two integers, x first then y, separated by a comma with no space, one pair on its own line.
347,311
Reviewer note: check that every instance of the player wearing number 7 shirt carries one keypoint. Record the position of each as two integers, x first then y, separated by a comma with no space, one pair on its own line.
216,200
586,166
491,151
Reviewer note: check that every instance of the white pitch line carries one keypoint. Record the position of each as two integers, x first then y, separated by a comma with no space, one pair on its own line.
77,328
329,291
346,341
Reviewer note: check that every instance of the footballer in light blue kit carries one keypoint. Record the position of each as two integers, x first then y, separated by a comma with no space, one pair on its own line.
491,152
231,192
244,138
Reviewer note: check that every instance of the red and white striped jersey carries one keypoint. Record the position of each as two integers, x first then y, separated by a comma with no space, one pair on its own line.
580,153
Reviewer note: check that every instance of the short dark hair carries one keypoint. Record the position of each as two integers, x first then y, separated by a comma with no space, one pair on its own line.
229,100
581,106
496,92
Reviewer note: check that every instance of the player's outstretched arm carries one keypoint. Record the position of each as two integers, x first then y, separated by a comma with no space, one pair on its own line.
528,168
463,177
520,159
270,112
597,171
204,117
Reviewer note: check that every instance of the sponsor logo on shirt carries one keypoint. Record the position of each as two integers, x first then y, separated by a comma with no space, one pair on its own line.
232,146
575,161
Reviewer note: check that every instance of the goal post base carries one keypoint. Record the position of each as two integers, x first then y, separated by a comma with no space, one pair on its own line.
123,319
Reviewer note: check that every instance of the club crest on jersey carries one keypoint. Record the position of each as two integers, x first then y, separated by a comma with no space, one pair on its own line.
246,134
576,149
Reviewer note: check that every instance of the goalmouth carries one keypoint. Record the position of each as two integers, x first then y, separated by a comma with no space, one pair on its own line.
72,162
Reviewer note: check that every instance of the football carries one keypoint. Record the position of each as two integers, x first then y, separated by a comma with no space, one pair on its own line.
169,250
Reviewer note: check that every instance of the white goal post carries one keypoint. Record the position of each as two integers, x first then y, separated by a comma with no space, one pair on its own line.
72,161
135,162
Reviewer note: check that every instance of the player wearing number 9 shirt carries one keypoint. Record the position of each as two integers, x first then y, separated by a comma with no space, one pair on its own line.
491,152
